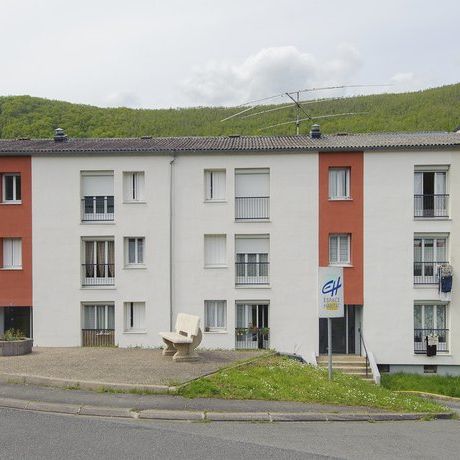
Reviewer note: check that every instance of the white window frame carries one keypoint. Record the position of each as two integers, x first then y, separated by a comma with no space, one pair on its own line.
129,320
347,195
224,263
208,185
13,243
106,315
215,304
340,262
137,179
15,199
137,262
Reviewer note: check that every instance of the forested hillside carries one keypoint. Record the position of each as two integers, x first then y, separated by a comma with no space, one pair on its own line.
435,109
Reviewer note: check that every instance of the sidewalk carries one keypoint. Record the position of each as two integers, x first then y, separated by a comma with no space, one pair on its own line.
165,407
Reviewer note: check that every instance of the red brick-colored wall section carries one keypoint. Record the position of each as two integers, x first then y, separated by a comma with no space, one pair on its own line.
343,216
16,222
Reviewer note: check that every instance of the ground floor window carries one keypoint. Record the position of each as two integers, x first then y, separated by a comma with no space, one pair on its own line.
18,318
215,315
134,316
98,325
252,329
430,320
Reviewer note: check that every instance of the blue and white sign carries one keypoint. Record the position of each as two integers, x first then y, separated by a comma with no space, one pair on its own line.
331,292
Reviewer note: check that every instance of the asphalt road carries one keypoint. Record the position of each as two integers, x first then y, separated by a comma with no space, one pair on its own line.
31,435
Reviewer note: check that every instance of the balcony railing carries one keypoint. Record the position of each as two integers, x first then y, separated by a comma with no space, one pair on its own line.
420,336
97,208
98,274
252,273
252,338
252,207
431,205
427,272
98,337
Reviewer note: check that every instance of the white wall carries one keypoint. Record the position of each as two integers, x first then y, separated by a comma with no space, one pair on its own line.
389,229
57,233
293,228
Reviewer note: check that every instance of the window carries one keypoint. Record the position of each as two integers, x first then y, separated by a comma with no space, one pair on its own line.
99,263
12,253
252,194
134,251
430,320
215,250
214,185
339,183
98,317
430,193
215,315
97,196
429,254
134,316
252,263
339,249
133,184
11,188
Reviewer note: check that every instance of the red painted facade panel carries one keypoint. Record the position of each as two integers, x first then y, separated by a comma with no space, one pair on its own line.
16,222
343,216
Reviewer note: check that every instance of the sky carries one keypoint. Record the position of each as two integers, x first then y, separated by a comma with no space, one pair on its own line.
182,53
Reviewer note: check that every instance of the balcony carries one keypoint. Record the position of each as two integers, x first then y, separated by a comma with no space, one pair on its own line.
98,337
98,275
420,336
97,208
252,273
431,206
252,208
252,338
427,272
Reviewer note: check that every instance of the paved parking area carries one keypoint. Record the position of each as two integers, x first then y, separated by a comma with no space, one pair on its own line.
117,365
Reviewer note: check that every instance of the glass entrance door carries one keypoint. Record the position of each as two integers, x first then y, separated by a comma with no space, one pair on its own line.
344,332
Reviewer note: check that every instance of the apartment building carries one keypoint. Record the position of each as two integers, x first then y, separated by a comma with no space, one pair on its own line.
129,232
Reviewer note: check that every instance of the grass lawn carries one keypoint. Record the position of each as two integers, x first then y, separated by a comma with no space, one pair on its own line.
442,385
279,378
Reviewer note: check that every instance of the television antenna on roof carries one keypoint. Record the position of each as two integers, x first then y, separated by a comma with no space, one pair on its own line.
296,102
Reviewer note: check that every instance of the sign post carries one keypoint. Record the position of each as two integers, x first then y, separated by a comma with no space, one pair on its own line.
330,302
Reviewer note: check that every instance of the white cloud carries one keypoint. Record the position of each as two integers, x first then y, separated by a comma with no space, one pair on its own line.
407,81
268,72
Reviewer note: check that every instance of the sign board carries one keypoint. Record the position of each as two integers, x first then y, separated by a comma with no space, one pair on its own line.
330,292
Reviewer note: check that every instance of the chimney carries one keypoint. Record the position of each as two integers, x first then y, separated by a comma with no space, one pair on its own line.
315,132
59,135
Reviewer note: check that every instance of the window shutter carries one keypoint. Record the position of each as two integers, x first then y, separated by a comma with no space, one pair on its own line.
215,251
128,186
17,253
218,185
332,183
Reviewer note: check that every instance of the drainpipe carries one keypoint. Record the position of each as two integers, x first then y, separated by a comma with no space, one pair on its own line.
171,240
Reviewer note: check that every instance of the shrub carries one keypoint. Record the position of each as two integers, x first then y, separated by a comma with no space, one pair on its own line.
12,334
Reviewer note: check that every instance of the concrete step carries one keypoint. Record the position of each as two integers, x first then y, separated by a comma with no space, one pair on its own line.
351,358
344,363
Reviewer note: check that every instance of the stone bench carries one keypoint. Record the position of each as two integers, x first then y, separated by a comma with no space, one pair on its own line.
182,342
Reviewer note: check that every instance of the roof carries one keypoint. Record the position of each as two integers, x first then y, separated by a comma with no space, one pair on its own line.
347,142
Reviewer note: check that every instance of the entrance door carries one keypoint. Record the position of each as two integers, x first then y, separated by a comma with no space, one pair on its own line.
343,333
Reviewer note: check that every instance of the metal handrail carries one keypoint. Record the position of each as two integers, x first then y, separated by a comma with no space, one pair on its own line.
363,343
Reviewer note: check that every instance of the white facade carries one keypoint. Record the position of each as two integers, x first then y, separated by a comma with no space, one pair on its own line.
214,243
291,233
389,230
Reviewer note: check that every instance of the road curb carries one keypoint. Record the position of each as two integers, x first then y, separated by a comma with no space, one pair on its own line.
425,394
85,384
220,416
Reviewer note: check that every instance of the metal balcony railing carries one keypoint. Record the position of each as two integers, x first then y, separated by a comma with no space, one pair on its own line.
97,208
420,336
98,337
431,205
98,274
252,207
252,273
247,338
427,272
